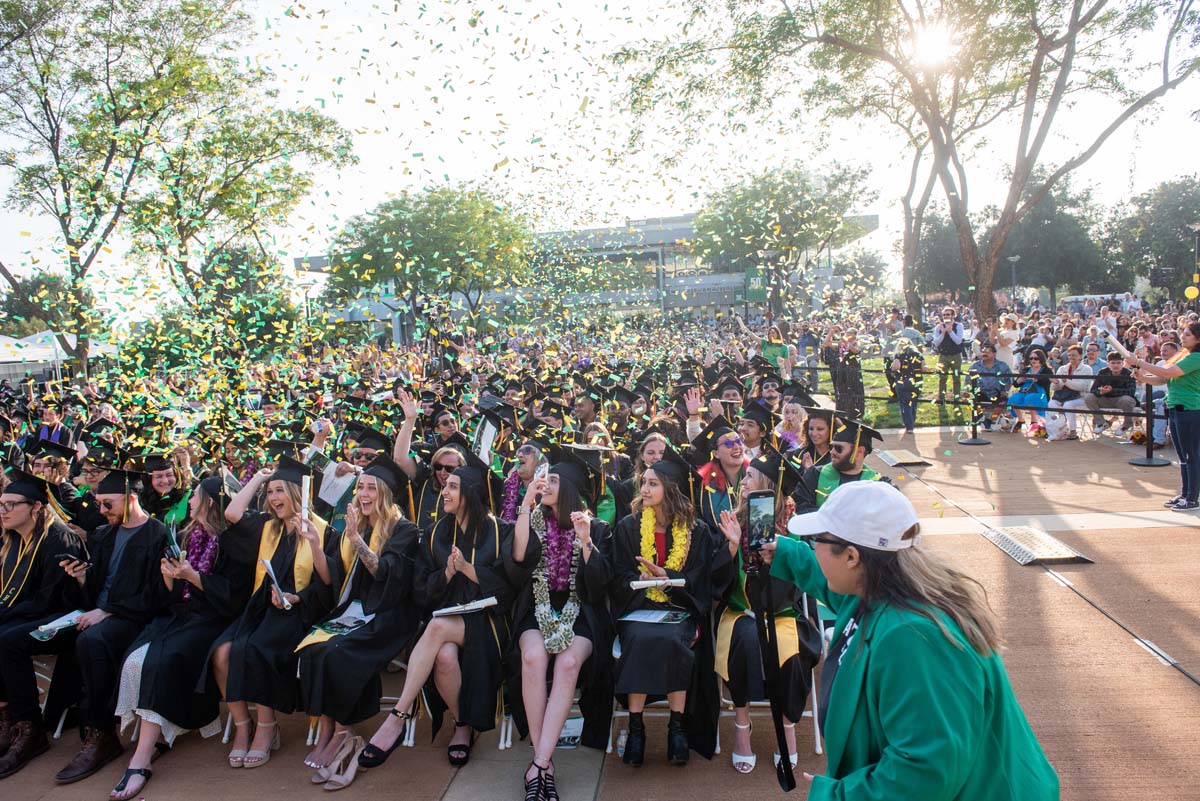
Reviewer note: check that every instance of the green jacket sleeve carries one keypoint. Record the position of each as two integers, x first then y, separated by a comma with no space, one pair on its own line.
928,699
795,562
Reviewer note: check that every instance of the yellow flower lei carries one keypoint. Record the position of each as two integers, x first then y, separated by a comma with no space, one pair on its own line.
676,556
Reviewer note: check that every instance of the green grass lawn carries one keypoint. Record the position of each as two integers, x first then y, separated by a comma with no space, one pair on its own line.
881,414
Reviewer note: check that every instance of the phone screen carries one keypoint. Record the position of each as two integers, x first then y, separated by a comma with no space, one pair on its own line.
761,520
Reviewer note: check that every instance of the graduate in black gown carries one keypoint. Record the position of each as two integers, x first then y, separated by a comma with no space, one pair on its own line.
458,659
561,623
33,590
123,591
427,480
663,538
167,493
341,659
164,686
798,638
254,660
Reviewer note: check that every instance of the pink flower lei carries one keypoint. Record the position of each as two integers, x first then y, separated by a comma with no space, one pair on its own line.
512,488
559,548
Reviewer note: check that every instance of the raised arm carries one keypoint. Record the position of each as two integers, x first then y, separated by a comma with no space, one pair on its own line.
241,502
400,453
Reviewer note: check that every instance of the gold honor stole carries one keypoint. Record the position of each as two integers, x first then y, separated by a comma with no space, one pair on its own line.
785,631
302,564
349,557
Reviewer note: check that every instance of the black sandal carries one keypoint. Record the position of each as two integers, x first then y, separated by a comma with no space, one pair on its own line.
373,756
460,755
535,788
548,780
118,792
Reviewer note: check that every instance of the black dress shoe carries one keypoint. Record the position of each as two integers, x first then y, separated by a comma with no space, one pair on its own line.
677,741
635,741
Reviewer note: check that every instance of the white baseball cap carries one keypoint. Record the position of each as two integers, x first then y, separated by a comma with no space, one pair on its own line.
869,514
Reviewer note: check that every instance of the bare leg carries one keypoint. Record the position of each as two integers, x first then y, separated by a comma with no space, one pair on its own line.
240,712
220,666
637,702
264,732
741,732
676,700
148,734
534,661
562,692
328,743
447,677
441,630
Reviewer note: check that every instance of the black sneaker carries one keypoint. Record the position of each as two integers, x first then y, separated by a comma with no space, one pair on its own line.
1186,506
1171,503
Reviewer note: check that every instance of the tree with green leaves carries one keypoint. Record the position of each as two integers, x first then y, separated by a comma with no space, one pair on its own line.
1153,231
438,245
82,100
781,219
938,267
36,305
224,173
20,19
953,68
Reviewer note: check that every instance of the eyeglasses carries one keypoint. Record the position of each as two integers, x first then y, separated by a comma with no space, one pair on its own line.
730,441
8,506
445,468
824,539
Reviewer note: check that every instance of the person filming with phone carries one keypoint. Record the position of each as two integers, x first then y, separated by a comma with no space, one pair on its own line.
914,698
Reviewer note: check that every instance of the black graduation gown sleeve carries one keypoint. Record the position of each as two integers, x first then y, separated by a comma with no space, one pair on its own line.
805,494
48,590
393,581
228,587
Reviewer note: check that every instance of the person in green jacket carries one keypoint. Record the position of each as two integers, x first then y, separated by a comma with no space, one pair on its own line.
914,698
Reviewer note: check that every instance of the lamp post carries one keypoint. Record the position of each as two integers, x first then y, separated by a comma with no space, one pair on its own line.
306,286
1012,263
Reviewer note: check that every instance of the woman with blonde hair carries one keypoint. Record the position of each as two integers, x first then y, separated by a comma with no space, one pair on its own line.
254,660
915,701
374,620
791,428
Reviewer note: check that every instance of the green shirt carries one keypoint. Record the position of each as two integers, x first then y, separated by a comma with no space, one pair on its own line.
1185,390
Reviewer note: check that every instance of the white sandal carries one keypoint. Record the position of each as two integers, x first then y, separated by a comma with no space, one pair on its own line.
237,757
744,763
793,758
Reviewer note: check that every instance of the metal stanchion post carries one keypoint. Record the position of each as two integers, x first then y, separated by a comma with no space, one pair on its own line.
974,439
1149,460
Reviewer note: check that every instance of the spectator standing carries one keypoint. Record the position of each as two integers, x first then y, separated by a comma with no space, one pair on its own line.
947,344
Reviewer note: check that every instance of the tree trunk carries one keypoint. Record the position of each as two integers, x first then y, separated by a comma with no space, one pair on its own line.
908,275
1053,296
985,276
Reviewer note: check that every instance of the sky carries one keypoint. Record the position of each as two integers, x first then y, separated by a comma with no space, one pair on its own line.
520,97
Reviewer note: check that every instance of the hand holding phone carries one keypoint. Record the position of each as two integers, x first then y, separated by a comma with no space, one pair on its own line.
761,519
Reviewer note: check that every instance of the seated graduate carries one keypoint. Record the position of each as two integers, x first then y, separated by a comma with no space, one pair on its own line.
429,480
166,496
663,538
373,621
33,590
848,450
254,660
123,591
459,658
561,620
164,685
721,458
52,461
798,639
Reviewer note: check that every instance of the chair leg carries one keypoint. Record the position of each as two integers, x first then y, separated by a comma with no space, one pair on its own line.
62,719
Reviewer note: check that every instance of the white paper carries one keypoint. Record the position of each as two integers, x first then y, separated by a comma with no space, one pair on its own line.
352,618
275,583
654,616
333,487
463,609
65,622
646,584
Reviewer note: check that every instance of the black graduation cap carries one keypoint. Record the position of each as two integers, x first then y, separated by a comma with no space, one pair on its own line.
620,394
438,410
457,440
27,485
760,414
478,478
727,383
855,432
102,426
502,414
675,469
760,365
221,488
798,392
104,454
705,442
554,409
363,436
122,482
390,473
293,472
583,466
770,376
783,471
45,447
276,448
7,426
817,411
153,462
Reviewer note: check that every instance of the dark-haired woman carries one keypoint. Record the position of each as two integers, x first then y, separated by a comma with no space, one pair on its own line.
818,432
458,659
163,683
33,590
664,539
1181,374
375,619
1031,389
254,660
166,496
915,701
562,627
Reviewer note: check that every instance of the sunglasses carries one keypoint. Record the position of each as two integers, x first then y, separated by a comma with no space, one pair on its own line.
770,385
107,505
822,538
445,468
730,441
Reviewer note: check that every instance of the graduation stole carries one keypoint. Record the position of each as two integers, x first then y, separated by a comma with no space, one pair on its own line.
302,564
830,479
12,584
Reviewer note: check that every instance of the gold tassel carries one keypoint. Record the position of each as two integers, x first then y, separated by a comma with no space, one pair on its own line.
412,506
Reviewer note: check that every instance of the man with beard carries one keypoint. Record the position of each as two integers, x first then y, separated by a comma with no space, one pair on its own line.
848,449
